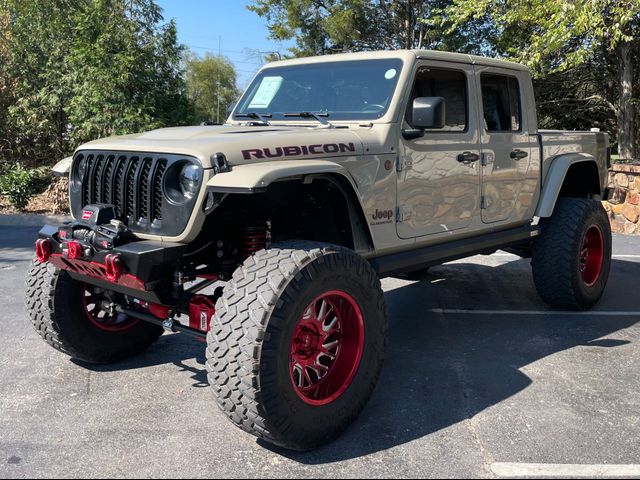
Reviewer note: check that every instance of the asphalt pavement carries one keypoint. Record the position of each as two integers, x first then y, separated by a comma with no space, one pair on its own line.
512,389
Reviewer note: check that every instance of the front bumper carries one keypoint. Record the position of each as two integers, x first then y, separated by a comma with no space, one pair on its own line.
142,269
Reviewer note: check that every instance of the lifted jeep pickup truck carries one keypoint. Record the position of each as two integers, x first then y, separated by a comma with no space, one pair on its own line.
268,235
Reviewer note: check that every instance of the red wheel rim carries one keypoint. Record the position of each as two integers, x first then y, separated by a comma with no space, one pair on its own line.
326,348
592,255
99,316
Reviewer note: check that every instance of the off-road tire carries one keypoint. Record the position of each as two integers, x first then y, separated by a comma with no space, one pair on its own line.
54,305
251,333
557,251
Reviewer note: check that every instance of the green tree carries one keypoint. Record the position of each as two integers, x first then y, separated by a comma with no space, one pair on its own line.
328,26
80,69
35,44
6,88
210,85
555,36
123,71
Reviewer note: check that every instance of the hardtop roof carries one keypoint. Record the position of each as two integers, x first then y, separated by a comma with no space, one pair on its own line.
407,55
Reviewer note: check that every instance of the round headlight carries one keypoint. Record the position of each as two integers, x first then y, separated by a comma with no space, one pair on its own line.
189,180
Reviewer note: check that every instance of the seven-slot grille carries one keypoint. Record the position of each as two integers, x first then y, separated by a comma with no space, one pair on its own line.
133,184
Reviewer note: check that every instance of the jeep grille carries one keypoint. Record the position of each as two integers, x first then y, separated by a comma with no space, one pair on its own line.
133,184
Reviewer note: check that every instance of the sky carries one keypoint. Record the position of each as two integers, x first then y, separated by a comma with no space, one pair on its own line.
205,25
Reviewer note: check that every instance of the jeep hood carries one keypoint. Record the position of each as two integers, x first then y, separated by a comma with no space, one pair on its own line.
240,144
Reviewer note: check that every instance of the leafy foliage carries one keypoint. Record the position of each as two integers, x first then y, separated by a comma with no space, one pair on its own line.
19,184
329,26
211,86
552,35
75,70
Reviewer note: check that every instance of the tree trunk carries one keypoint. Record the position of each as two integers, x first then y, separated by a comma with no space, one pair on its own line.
626,110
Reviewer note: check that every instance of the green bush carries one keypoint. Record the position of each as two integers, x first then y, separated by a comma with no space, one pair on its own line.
19,184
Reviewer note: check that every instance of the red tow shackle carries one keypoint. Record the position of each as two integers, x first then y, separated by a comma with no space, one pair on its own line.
113,267
43,250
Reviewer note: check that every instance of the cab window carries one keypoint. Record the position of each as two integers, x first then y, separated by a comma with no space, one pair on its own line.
449,84
501,103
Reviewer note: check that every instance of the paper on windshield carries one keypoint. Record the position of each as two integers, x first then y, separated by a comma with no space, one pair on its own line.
266,91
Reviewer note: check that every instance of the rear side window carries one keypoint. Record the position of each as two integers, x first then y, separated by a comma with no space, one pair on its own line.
449,84
501,103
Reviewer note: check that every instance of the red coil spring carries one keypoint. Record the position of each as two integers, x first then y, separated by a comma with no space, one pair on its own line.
254,239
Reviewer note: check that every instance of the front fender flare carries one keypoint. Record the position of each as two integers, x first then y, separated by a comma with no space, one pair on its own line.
555,178
256,177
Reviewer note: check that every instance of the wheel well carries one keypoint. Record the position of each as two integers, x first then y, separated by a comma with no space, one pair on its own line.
582,181
322,208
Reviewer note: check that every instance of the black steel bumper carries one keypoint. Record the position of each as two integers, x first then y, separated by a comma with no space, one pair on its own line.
140,268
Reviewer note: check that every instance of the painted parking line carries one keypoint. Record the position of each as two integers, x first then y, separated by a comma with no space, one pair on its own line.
550,470
461,311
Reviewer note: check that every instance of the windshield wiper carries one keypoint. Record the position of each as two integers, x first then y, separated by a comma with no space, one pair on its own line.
317,116
257,116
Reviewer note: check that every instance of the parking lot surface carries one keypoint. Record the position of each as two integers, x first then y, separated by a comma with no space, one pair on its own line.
510,388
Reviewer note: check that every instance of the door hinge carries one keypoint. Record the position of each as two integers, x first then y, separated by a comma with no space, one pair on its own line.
404,213
484,202
403,163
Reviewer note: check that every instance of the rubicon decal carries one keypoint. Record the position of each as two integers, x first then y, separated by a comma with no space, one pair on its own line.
86,214
298,150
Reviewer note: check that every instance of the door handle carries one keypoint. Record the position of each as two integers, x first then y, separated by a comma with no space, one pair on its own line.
519,154
468,157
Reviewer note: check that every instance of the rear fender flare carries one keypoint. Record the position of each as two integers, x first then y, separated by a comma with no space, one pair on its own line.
555,178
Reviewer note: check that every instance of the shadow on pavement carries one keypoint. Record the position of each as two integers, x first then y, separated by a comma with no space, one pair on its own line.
175,348
443,369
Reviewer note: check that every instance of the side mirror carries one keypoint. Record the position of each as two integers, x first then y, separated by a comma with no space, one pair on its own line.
428,112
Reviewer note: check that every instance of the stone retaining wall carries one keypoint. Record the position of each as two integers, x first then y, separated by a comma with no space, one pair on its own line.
624,197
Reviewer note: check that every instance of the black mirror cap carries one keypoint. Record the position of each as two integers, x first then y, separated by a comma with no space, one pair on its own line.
429,112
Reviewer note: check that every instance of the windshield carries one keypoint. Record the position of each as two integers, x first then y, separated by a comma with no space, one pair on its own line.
356,90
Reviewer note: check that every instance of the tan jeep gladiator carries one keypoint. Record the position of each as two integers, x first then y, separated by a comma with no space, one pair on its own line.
268,235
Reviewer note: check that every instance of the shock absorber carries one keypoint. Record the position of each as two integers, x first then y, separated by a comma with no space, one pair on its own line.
253,239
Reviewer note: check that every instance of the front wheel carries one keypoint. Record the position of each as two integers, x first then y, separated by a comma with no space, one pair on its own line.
78,319
571,258
297,343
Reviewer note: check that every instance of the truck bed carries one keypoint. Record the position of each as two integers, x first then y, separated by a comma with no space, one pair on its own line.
559,142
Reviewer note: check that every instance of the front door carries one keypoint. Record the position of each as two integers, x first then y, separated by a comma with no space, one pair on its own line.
510,154
439,173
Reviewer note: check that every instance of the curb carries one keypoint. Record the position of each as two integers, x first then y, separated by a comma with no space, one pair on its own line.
30,219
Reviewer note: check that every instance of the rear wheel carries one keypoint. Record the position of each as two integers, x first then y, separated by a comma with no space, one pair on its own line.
78,319
572,256
297,342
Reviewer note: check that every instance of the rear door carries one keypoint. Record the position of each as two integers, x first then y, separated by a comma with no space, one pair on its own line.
439,173
509,150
